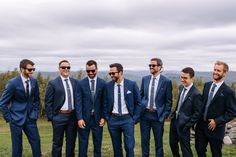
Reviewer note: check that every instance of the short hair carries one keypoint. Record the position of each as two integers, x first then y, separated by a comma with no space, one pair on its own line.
62,61
118,66
25,62
225,65
158,60
189,71
92,62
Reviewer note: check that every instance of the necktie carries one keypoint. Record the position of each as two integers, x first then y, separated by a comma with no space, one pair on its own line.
210,96
181,99
152,93
93,94
27,88
68,95
119,100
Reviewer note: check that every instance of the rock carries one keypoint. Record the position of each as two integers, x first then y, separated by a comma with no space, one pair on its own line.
227,140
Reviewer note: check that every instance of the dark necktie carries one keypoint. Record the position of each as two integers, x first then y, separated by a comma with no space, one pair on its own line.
209,100
68,95
119,100
152,93
27,88
181,99
93,94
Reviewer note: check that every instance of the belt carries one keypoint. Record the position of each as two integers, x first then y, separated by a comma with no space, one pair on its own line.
119,115
150,110
66,111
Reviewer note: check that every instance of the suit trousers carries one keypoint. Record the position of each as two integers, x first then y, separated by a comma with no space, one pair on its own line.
149,120
202,139
64,124
177,135
118,125
31,131
84,138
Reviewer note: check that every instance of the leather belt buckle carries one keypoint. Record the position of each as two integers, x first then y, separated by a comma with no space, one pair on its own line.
66,111
119,115
150,110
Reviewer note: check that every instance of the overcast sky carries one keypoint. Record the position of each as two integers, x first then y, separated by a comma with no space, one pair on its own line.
182,33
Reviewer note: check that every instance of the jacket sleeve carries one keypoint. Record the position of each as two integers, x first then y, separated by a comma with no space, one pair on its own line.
230,110
137,103
6,100
168,99
49,100
79,106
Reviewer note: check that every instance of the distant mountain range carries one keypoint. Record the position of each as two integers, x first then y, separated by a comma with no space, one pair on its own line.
137,75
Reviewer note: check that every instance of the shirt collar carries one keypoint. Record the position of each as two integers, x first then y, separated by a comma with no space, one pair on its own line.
218,84
63,78
95,78
157,77
121,83
188,88
23,78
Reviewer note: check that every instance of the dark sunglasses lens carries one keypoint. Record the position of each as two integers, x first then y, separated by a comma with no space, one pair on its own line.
88,71
32,69
152,65
66,68
111,74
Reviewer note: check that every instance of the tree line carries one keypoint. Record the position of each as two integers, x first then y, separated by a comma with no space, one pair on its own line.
42,81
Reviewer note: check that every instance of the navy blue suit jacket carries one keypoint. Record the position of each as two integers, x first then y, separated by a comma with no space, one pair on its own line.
222,108
15,105
163,97
190,110
55,96
85,100
132,99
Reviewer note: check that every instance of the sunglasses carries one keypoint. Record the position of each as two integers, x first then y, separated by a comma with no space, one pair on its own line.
65,67
153,65
112,73
30,69
88,71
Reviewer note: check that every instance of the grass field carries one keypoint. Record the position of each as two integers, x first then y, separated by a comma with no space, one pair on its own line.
46,141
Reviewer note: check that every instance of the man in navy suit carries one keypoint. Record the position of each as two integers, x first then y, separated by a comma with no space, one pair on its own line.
20,106
219,108
123,107
156,95
90,110
60,101
185,115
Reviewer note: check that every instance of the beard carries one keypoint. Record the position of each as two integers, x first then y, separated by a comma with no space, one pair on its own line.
114,78
217,77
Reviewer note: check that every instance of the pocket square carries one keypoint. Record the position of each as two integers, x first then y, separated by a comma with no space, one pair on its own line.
128,92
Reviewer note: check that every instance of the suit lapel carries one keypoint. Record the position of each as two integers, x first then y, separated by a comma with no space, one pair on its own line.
97,88
159,85
189,93
60,84
111,86
20,82
218,92
148,80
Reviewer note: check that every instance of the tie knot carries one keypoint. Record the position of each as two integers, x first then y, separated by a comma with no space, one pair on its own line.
66,80
118,85
214,85
27,81
92,81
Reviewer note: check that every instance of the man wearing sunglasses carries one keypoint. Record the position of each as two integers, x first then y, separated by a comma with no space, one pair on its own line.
185,115
20,106
60,102
156,95
123,108
90,110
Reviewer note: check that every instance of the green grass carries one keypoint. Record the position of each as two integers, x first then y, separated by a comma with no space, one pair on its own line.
46,141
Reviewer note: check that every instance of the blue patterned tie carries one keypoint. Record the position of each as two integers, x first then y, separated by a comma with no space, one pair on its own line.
93,94
181,99
69,95
209,100
152,93
119,100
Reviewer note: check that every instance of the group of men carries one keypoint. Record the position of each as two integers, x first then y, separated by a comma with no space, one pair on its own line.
86,105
